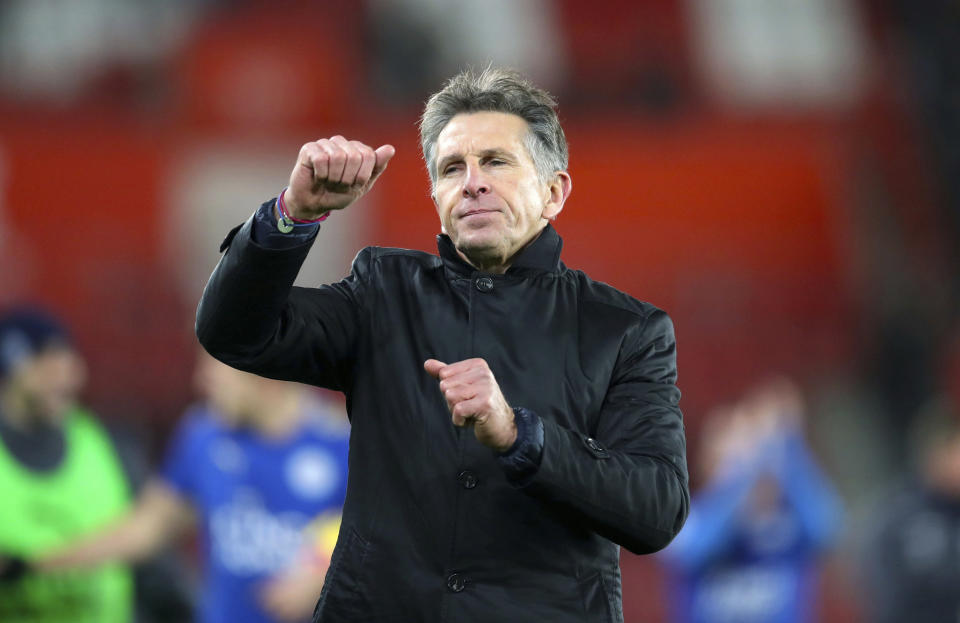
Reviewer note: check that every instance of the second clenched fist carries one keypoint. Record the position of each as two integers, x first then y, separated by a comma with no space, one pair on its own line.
332,173
474,398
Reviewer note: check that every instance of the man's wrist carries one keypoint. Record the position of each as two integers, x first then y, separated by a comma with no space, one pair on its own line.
521,425
292,215
514,435
266,232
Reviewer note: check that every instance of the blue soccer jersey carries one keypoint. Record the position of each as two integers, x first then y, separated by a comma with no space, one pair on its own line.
732,564
253,497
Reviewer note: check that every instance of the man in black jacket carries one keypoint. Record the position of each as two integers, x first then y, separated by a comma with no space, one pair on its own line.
566,436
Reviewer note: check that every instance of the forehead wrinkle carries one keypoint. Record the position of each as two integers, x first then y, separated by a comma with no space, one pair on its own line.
485,153
495,151
449,158
472,148
484,124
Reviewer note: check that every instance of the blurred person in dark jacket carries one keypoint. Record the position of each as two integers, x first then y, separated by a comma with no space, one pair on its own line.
62,474
260,469
911,555
513,421
750,550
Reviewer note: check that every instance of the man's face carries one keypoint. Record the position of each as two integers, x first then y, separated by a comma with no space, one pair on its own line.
488,195
228,391
943,466
50,382
239,399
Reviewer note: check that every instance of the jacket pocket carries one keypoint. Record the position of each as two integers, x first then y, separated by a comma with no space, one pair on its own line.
598,602
344,593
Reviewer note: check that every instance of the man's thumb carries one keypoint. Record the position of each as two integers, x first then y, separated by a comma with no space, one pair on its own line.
433,367
383,155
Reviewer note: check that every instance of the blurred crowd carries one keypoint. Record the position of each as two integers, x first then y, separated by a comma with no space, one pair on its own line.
833,496
256,470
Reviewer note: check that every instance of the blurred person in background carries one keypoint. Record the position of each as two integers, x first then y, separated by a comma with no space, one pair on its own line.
262,468
61,475
750,549
911,554
462,506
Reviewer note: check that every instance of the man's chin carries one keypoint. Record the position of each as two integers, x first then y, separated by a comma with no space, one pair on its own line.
479,249
52,412
478,239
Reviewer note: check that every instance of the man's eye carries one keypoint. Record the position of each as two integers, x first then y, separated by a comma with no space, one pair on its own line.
453,168
496,161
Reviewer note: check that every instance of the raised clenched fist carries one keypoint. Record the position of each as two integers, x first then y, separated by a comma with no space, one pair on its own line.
332,173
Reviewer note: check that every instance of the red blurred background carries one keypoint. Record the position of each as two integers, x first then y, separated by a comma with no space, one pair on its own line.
793,215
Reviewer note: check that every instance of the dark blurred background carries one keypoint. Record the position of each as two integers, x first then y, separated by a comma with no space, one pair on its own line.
782,176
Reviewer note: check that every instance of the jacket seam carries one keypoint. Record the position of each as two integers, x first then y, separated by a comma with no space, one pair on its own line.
643,314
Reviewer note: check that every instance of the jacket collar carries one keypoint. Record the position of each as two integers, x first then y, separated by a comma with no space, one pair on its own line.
543,254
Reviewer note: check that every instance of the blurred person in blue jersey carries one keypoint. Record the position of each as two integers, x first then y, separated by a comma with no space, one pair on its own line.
750,550
261,469
911,552
63,474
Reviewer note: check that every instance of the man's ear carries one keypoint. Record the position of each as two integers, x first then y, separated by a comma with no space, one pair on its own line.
559,188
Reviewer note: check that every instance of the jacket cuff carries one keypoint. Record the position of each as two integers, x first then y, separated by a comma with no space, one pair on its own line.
522,460
266,233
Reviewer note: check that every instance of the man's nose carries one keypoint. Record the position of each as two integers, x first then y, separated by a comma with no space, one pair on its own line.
475,182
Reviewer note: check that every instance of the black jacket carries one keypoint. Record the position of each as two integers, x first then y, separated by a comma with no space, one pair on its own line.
432,528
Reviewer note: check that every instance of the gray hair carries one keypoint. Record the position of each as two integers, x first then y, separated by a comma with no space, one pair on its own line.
497,90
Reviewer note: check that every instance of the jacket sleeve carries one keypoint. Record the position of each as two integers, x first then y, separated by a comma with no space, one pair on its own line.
252,318
629,483
712,525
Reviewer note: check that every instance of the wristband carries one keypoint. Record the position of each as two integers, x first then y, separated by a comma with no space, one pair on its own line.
286,223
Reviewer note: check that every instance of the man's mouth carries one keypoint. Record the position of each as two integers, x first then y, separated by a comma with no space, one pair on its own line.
477,212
